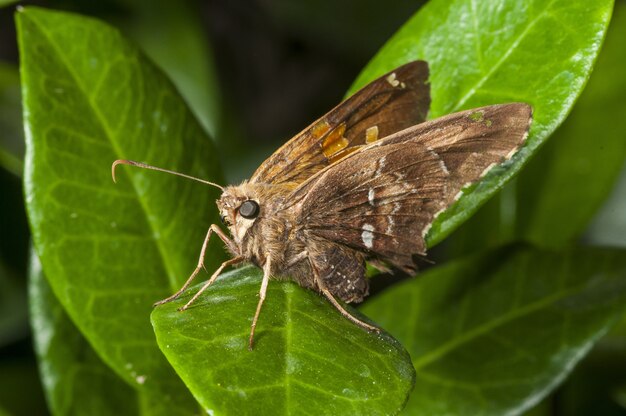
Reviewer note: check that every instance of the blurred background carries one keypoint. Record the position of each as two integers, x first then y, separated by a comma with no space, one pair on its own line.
255,72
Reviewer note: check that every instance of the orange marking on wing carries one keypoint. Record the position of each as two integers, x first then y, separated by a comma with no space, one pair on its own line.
320,129
371,134
343,153
334,141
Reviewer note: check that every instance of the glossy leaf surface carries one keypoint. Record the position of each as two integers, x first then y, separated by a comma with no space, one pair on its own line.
555,196
75,379
110,251
307,358
483,53
495,333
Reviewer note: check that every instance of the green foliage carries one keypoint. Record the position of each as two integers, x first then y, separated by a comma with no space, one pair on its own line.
556,195
484,53
492,334
489,334
91,98
68,360
305,353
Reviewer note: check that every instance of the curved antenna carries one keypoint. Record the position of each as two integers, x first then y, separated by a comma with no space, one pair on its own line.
144,166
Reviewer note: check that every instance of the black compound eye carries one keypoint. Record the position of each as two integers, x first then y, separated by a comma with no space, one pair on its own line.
249,209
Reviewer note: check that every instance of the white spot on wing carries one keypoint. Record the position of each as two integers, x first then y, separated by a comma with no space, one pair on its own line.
444,167
381,166
371,196
487,169
391,79
367,235
513,151
426,229
400,177
390,224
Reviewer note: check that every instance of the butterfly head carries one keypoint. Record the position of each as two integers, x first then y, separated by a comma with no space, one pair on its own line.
239,208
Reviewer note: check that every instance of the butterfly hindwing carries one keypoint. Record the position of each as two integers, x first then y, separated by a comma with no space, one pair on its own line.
382,199
341,269
391,103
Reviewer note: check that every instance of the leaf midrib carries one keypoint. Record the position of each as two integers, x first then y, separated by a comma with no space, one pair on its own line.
505,56
109,135
468,336
288,335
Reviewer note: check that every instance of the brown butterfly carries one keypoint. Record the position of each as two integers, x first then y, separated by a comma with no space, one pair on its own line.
363,183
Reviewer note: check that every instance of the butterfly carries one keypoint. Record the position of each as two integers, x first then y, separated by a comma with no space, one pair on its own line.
362,183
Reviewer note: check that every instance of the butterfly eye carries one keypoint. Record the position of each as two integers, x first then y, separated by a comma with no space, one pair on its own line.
249,209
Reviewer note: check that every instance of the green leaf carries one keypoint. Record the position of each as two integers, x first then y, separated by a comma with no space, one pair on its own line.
492,52
11,131
4,3
110,251
494,333
555,196
594,385
307,357
544,408
560,191
609,226
75,379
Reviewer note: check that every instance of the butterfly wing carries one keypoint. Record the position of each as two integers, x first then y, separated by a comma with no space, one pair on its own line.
391,103
383,199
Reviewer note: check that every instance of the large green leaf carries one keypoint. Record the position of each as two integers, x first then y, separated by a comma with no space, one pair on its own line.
593,388
75,379
109,250
307,358
491,52
558,192
493,334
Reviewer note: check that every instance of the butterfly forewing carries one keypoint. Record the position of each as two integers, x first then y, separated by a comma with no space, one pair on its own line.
391,103
383,199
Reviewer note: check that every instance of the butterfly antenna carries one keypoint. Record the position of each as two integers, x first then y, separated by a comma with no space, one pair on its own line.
144,166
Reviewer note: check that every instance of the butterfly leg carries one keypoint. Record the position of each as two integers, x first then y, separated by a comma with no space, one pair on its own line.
322,287
213,229
209,282
262,292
